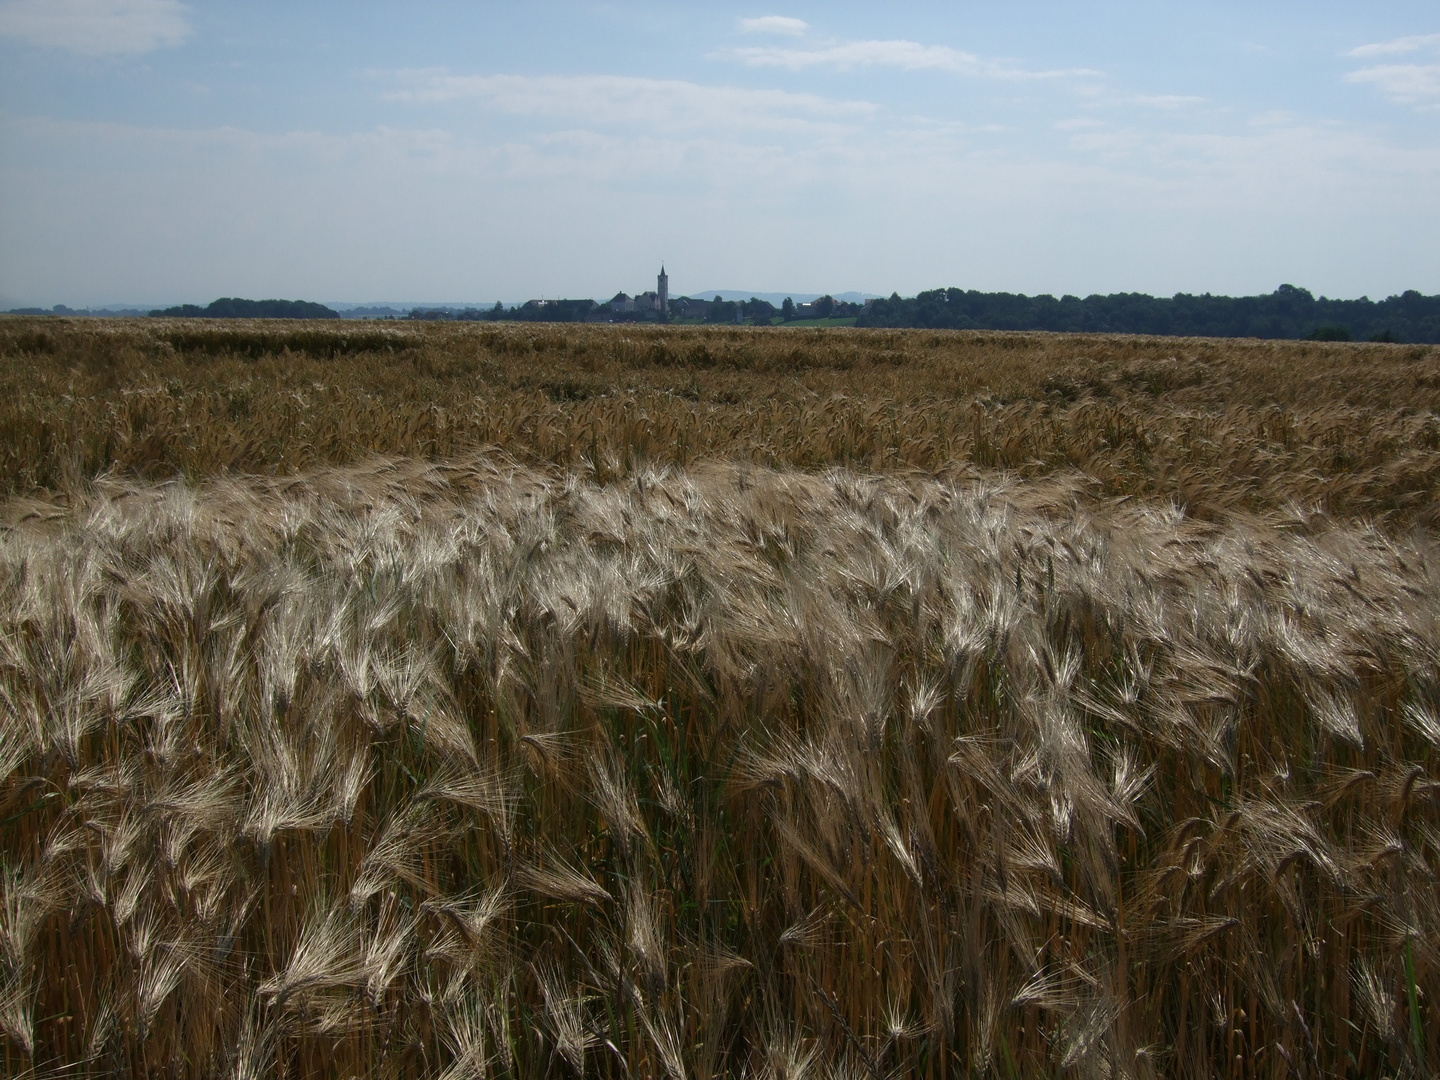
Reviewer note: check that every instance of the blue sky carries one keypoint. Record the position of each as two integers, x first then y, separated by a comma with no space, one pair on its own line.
156,151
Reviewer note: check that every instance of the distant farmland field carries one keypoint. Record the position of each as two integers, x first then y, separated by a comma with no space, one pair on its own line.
1209,425
542,701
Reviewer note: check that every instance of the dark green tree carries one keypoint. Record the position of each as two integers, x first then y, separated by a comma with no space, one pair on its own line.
1288,312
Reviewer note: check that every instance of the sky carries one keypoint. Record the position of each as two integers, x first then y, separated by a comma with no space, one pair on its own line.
158,152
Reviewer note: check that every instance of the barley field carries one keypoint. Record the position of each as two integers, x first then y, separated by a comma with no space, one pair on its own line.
542,702
1209,425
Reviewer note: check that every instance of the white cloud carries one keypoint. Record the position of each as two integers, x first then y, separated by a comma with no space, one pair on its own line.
775,24
1409,84
629,102
1402,45
907,55
96,27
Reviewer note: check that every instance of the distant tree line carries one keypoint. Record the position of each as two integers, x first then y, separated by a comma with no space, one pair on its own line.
762,311
1288,312
229,307
530,311
719,311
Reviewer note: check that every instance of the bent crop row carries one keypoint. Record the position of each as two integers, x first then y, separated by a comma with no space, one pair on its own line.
1208,425
475,769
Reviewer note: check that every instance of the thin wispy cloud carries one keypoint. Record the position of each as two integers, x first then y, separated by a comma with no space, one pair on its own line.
1408,84
782,25
1405,84
96,27
1416,43
627,101
899,53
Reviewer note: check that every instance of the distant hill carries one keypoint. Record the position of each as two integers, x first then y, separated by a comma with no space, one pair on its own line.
61,309
234,308
1288,312
372,311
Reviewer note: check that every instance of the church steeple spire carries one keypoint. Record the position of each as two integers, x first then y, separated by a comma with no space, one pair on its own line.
662,290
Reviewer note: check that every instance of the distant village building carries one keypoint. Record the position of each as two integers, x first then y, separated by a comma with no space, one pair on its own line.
648,303
654,306
686,308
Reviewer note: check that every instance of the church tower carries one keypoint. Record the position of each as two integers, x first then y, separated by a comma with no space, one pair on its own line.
662,290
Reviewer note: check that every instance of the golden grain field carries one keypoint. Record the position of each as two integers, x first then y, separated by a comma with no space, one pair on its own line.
548,702
1210,425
